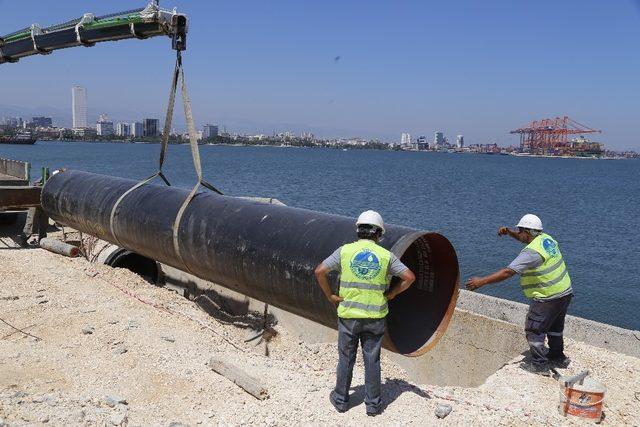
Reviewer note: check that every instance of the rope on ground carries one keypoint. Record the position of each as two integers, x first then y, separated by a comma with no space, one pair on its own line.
484,405
19,330
15,332
170,311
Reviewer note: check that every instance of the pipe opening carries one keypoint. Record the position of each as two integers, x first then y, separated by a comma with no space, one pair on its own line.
419,316
145,267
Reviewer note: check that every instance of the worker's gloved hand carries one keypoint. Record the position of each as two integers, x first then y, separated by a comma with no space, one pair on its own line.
473,284
335,299
502,231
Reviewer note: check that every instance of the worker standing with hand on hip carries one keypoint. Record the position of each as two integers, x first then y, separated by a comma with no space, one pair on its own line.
365,273
545,281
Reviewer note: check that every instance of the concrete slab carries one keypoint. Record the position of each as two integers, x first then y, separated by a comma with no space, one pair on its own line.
485,333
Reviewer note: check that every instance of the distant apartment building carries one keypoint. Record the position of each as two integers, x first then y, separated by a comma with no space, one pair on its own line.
422,143
438,140
104,126
14,122
42,122
209,131
123,129
79,107
460,141
136,129
150,127
84,132
405,139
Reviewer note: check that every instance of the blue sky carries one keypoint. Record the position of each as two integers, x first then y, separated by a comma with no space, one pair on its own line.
470,67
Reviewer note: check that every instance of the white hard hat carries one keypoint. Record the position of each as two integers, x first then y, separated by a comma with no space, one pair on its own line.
530,221
371,218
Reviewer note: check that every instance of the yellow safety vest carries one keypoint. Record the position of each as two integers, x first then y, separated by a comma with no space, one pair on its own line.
363,280
550,278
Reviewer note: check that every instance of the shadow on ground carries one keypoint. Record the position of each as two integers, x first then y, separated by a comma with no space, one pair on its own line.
11,224
392,388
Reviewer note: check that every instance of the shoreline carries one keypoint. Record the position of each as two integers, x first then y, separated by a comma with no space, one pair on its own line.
341,147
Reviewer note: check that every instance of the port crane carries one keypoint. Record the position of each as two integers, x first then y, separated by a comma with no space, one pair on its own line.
551,136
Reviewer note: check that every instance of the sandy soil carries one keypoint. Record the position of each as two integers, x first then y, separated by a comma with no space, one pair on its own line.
112,349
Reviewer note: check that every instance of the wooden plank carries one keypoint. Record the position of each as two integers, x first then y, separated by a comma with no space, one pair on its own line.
19,197
239,377
12,180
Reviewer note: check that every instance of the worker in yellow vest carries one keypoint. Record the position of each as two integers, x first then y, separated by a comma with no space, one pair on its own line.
365,274
545,281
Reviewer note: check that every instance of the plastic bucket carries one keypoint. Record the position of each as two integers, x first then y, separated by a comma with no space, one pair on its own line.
583,400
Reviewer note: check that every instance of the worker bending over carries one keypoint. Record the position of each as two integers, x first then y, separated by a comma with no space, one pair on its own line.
545,280
365,274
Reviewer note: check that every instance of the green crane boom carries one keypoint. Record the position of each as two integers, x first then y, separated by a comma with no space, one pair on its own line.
88,30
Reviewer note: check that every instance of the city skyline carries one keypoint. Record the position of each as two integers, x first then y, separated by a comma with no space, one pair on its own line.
477,81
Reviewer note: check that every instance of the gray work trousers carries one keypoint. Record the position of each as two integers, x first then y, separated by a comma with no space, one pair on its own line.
369,333
546,318
37,221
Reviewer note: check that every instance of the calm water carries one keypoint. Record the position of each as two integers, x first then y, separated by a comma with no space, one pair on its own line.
591,207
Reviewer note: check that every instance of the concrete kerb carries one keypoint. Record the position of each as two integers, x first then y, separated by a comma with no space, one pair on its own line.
485,333
597,334
454,361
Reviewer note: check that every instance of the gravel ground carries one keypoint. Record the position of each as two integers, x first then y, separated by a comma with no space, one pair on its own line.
112,349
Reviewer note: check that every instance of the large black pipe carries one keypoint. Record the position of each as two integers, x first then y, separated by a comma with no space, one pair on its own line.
267,252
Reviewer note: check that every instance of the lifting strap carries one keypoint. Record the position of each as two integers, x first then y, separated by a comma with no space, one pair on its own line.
195,153
178,73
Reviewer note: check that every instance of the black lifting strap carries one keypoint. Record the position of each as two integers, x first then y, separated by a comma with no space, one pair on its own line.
178,72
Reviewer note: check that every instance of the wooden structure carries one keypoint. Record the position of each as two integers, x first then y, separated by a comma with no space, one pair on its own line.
16,193
14,172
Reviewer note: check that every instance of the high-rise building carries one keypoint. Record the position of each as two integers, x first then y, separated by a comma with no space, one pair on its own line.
150,127
422,143
104,126
405,139
209,131
14,122
123,129
460,141
79,107
136,130
438,140
42,122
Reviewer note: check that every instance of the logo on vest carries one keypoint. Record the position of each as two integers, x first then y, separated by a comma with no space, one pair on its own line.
550,247
365,265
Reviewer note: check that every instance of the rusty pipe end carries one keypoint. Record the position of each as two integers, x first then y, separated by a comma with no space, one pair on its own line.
419,317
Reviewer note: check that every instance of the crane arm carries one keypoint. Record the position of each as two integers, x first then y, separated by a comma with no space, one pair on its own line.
150,21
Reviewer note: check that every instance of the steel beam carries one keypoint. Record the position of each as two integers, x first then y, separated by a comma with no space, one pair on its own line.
12,197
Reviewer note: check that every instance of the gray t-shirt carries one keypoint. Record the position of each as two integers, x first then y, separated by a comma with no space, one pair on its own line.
396,267
528,259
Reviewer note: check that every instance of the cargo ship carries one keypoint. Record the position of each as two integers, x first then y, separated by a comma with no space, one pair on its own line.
19,138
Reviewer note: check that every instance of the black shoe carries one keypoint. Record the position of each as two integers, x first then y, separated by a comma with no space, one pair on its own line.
537,368
561,362
22,241
373,413
335,405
